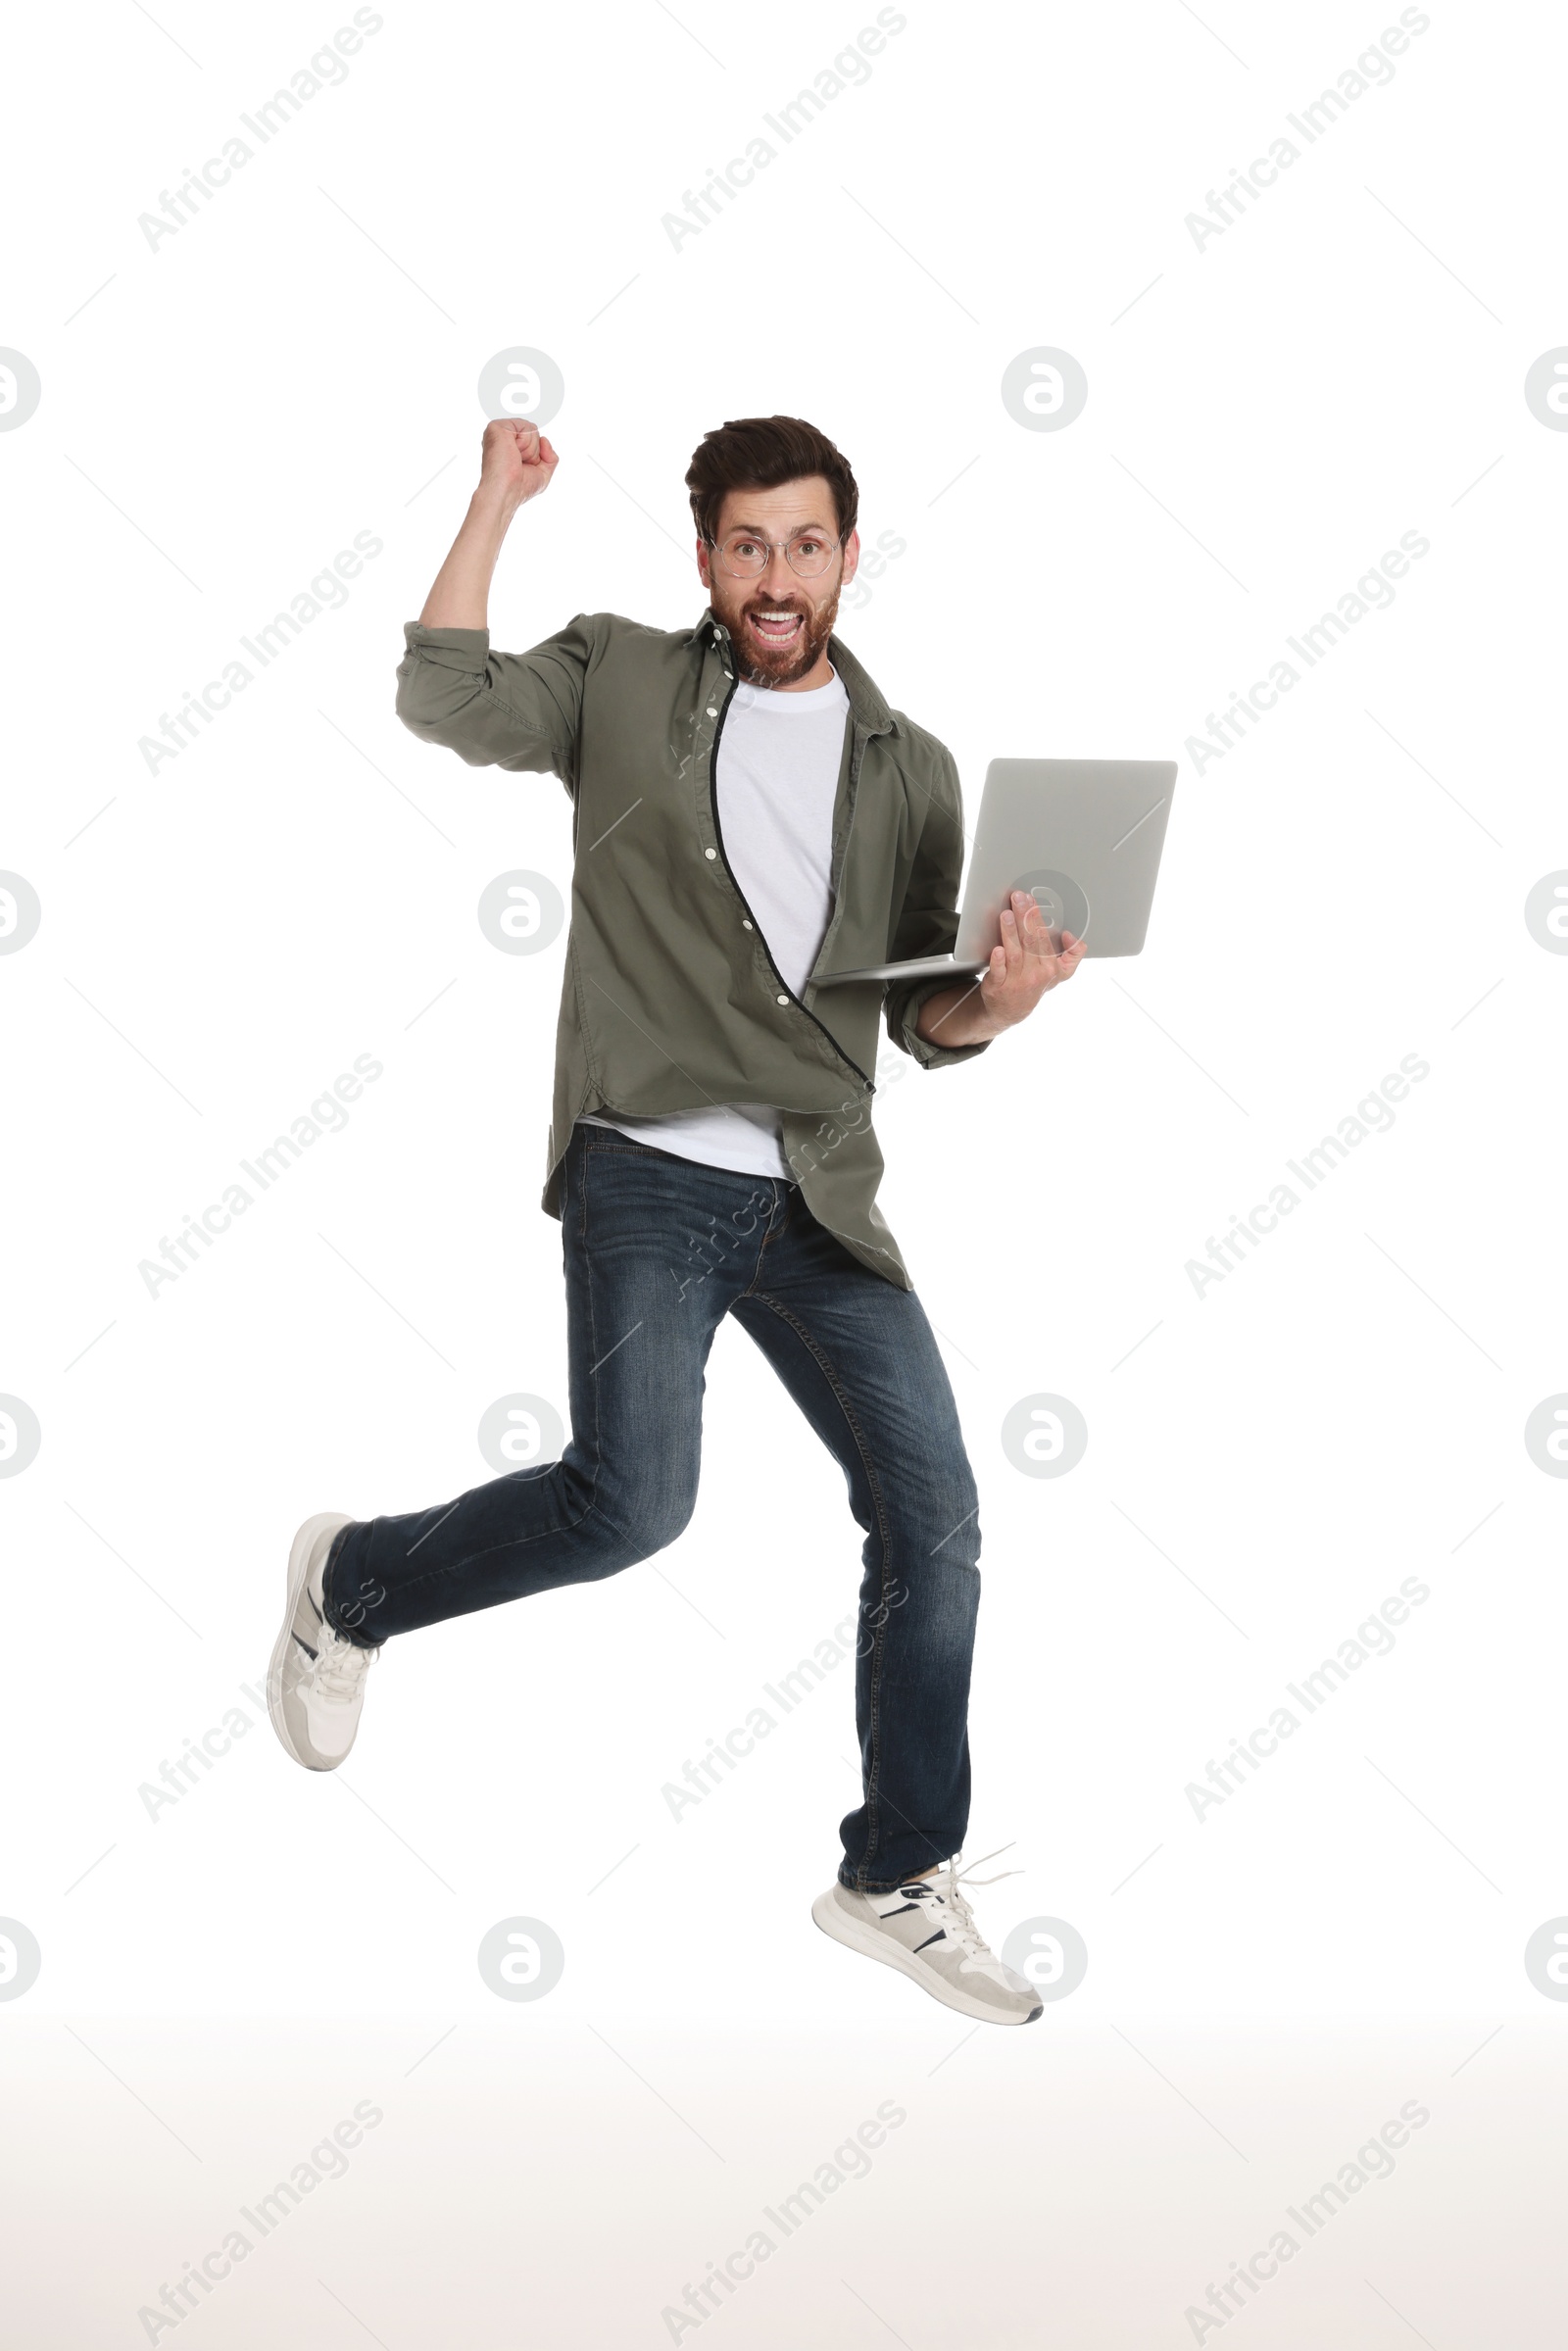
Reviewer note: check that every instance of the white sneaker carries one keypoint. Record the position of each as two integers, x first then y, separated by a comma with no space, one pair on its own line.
926,1930
316,1681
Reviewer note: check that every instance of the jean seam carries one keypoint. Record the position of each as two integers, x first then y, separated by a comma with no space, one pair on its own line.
434,1575
873,1774
593,1332
775,1222
582,1201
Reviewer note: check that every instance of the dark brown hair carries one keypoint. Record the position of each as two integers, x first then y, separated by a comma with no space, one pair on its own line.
761,453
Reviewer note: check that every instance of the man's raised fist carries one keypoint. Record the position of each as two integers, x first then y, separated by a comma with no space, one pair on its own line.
517,461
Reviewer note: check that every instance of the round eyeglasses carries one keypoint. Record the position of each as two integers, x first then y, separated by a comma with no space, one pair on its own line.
744,555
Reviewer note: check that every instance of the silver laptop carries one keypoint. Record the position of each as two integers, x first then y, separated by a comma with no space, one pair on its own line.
1082,836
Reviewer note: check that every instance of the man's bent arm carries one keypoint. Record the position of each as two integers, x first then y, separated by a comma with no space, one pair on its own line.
520,712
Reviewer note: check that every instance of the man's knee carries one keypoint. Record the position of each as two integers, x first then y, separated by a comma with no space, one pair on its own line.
647,1517
950,1510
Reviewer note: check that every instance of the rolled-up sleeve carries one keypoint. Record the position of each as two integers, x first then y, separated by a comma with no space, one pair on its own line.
929,923
519,710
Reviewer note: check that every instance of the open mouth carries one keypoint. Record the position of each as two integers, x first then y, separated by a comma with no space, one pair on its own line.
780,629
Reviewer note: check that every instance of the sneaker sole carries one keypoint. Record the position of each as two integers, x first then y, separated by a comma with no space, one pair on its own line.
872,1945
299,1568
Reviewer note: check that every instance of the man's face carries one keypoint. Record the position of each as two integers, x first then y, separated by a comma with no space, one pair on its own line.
780,622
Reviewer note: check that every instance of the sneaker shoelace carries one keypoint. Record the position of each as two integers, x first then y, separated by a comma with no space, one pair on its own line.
341,1666
942,1890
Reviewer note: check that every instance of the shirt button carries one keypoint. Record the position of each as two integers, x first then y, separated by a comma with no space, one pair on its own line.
712,709
783,999
709,852
745,925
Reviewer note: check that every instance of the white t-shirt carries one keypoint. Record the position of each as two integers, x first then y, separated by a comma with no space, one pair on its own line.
779,757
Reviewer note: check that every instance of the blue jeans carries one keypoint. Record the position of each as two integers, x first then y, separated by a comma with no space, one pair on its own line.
657,1251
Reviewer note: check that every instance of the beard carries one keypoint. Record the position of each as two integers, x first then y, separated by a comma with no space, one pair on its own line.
770,666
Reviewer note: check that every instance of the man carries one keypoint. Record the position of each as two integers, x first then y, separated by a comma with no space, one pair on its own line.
746,812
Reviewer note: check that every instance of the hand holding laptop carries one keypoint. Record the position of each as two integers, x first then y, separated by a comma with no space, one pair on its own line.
1031,959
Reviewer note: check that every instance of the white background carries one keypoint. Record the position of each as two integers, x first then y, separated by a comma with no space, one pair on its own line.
1266,1462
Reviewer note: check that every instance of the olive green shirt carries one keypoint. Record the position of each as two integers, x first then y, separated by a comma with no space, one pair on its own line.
670,1000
